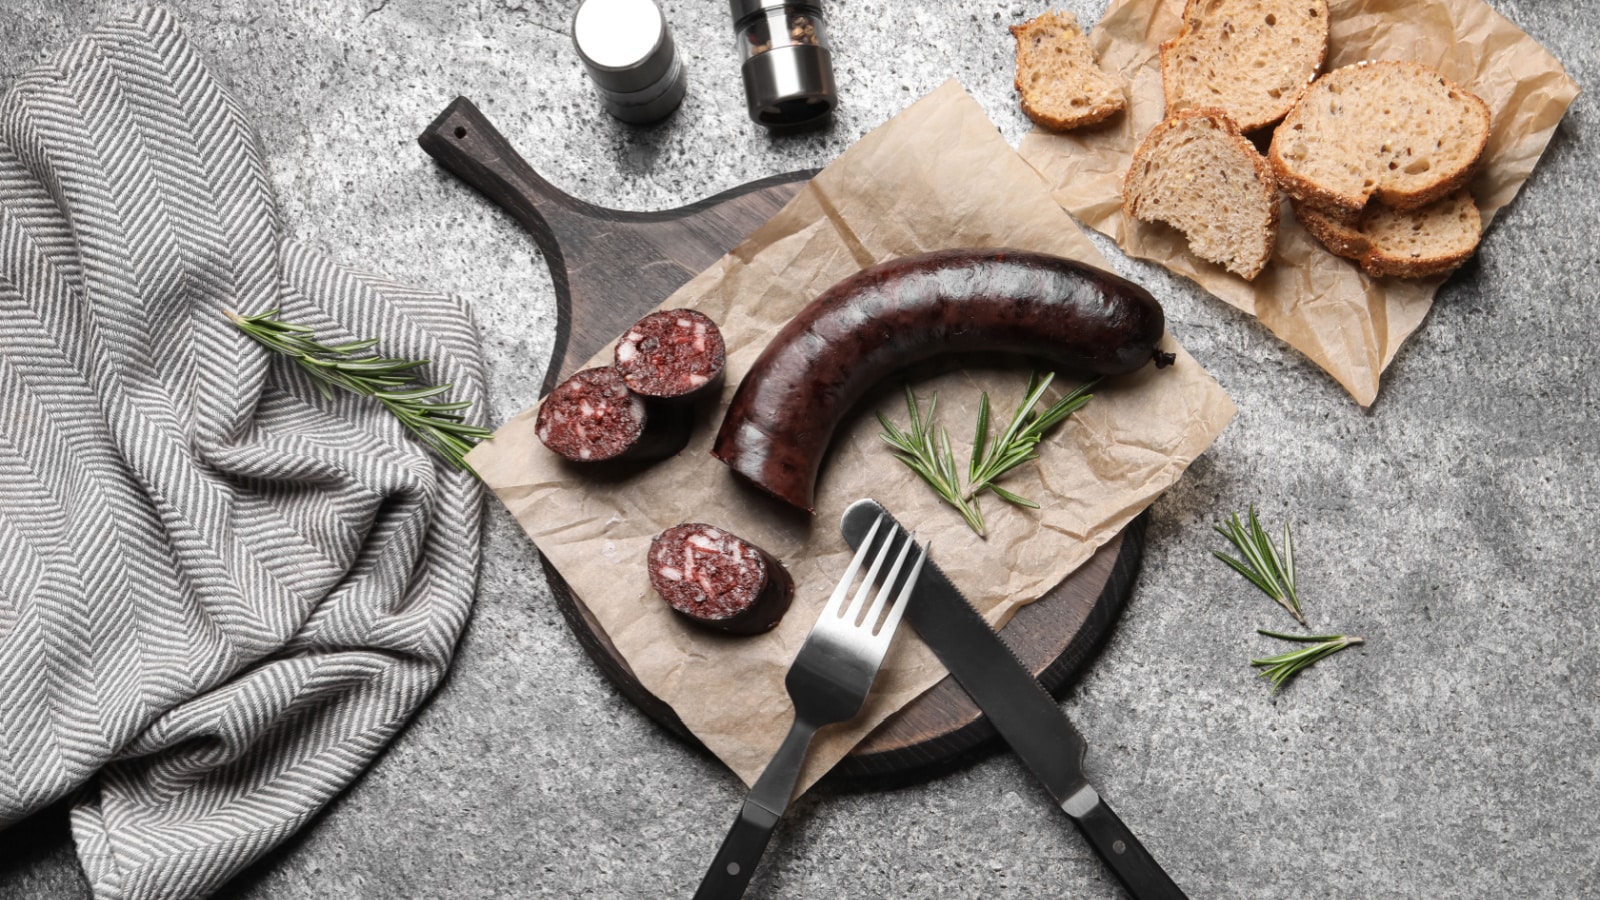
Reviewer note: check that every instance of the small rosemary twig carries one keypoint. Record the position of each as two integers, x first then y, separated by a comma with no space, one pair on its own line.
1273,572
934,461
1263,564
386,379
934,464
1279,669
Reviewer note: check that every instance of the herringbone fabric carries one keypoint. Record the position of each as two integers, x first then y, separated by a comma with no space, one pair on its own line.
220,593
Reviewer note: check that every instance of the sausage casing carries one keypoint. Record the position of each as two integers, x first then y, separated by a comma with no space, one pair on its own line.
784,413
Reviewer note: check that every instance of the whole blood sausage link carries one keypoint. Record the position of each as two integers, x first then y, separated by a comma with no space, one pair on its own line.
884,318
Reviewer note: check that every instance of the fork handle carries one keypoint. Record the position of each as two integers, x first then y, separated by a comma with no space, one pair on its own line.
741,850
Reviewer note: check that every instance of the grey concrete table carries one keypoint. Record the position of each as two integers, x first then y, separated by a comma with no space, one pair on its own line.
1456,755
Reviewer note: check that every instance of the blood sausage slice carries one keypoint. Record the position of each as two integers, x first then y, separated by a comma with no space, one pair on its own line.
671,354
719,579
592,417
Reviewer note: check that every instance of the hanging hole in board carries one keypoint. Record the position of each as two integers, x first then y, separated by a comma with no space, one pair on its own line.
461,132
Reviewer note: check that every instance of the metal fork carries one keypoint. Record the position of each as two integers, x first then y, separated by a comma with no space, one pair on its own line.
828,682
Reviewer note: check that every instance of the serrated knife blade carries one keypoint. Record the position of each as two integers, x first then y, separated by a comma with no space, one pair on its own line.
1022,711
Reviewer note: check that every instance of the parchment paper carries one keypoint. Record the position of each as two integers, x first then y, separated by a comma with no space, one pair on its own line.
1321,304
936,176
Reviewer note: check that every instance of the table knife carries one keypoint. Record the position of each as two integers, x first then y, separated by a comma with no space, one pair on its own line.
1025,715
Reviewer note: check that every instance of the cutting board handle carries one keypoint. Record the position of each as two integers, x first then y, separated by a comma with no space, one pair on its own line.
464,141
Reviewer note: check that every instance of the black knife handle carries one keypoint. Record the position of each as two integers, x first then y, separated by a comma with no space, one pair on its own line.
1134,866
741,850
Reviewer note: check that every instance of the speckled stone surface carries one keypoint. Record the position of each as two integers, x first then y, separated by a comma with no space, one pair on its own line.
1456,755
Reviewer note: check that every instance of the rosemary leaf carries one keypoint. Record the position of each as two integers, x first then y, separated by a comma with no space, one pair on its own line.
980,438
387,380
1009,497
1285,666
1262,564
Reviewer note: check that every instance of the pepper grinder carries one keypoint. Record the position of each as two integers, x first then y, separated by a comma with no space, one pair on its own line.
628,51
788,63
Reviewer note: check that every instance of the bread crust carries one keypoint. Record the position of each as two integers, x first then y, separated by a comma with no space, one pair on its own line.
1172,86
1345,207
1353,243
1264,177
1033,105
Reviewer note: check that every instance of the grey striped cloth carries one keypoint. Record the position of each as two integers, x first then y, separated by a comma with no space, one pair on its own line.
220,594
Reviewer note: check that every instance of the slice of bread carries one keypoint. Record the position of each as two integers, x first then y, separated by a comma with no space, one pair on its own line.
1398,132
1197,173
1248,58
1429,241
1060,85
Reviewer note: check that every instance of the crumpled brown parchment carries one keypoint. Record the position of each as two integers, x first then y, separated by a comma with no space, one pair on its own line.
938,175
1321,304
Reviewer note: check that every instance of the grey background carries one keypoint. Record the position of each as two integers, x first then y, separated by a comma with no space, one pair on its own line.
1454,756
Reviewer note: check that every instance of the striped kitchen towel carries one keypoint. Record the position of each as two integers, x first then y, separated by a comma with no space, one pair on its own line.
220,593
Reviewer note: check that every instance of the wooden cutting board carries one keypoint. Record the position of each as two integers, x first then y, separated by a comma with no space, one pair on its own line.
610,267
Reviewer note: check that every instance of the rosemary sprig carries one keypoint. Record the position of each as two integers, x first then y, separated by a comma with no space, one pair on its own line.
1279,669
388,380
1016,444
1265,567
934,461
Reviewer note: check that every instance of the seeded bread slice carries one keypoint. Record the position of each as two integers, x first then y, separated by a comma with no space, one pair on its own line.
1429,241
1060,85
1248,58
1398,132
1197,173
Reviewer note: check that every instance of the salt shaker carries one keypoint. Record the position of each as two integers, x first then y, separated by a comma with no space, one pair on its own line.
788,63
628,51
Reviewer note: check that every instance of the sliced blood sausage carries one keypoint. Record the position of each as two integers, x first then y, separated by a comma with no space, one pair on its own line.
672,354
718,579
782,417
592,416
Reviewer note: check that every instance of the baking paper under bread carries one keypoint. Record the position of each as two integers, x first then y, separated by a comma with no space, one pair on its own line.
1346,322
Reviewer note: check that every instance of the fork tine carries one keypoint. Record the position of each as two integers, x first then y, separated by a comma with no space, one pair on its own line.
843,588
853,613
870,622
892,620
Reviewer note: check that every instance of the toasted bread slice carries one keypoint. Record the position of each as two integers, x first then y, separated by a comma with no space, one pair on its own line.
1397,132
1429,241
1060,85
1197,173
1248,58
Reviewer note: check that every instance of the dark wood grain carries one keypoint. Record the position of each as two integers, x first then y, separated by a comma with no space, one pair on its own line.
609,268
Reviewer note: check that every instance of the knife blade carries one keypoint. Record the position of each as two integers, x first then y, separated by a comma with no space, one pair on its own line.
1021,710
